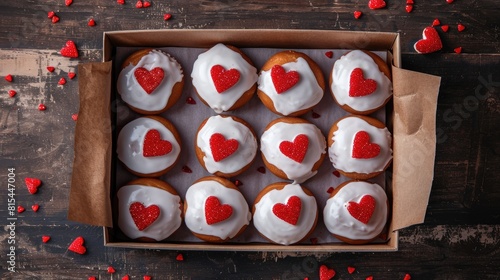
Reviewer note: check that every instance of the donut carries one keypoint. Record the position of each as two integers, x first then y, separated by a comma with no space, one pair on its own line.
356,212
215,210
360,147
150,82
285,213
224,78
292,148
290,83
148,210
225,145
149,146
360,82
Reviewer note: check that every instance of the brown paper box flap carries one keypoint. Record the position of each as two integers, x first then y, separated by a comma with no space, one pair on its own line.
89,200
415,103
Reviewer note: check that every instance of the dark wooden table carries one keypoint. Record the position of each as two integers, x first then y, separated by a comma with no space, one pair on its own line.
460,238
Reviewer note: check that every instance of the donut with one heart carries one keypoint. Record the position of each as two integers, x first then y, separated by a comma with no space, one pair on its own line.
290,83
149,146
360,147
215,210
150,81
285,213
360,82
356,212
225,145
224,78
292,148
149,210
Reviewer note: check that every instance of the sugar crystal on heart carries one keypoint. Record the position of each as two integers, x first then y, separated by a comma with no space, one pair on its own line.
215,212
222,148
283,80
362,210
297,149
154,146
289,212
359,86
362,147
144,216
224,79
149,80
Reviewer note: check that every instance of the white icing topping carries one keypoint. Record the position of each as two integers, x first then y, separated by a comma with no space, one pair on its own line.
340,152
276,229
133,94
130,144
341,76
305,94
281,131
229,59
195,220
230,129
339,221
170,212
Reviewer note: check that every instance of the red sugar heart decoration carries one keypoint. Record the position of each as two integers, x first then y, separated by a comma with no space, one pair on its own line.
121,2
376,4
167,16
290,211
77,246
146,277
445,27
35,207
143,216
458,50
179,257
460,27
69,50
62,81
138,4
71,75
359,86
329,54
146,4
91,22
283,80
297,149
20,209
431,41
363,210
224,79
68,2
351,269
55,19
222,148
216,212
42,107
45,238
436,22
407,277
149,80
362,148
409,8
33,184
8,78
74,117
111,270
409,2
357,14
12,93
51,14
126,277
51,68
153,145
190,101
326,273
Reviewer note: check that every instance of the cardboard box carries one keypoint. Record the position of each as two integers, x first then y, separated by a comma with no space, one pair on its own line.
411,118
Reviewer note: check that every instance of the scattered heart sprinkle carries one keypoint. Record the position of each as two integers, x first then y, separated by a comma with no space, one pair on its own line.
330,190
126,277
55,19
262,169
50,14
51,69
409,2
449,1
445,27
238,183
458,50
326,273
91,22
111,270
92,278
409,8
121,2
8,78
45,238
77,246
146,4
69,49
62,81
315,115
336,173
376,4
460,27
35,207
436,22
12,93
313,240
32,184
41,107
430,43
351,269
369,278
179,257
146,277
167,17
407,277
71,75
74,117
357,14
20,209
68,2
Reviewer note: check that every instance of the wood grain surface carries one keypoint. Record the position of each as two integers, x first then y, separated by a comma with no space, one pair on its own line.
460,238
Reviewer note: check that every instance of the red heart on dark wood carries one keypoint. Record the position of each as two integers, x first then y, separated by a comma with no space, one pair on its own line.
69,50
143,216
153,145
224,79
362,148
283,80
222,148
216,212
149,80
376,4
77,246
32,184
431,41
326,273
289,212
297,149
359,86
363,210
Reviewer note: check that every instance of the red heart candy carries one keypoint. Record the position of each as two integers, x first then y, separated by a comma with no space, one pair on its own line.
42,107
216,212
153,146
351,269
62,81
111,270
91,22
146,4
458,50
190,101
326,273
68,2
409,2
146,277
20,209
71,75
121,2
359,86
436,22
167,16
77,246
143,216
460,27
431,41
74,117
407,277
357,14
445,27
12,93
45,238
362,148
363,210
55,19
50,14
8,78
33,184
149,80
222,148
179,257
224,79
51,68
35,207
138,4
289,212
376,4
297,149
283,80
69,50
126,277
409,8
